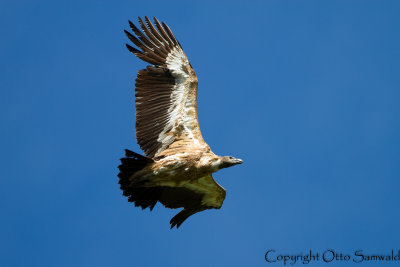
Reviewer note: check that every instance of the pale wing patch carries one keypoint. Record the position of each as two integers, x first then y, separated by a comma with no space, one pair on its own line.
176,62
183,113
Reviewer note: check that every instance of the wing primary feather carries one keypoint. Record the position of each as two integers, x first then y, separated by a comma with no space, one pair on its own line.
146,29
154,31
146,50
141,36
155,41
170,34
163,33
142,56
136,30
146,32
132,49
134,40
148,59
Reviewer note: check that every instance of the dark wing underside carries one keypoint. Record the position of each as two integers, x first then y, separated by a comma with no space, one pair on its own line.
154,87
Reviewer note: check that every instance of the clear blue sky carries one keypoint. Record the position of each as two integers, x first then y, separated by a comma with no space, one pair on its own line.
306,92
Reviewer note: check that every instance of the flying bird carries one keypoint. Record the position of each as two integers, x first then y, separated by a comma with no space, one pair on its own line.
178,165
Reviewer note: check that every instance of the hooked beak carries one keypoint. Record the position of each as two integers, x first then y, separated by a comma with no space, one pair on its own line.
239,161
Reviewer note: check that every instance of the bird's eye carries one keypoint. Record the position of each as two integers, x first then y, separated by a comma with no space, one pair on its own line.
230,157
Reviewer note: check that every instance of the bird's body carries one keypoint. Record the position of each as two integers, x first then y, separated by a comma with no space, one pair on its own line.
178,166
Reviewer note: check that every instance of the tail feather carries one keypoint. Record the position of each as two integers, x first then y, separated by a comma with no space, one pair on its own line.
131,164
141,196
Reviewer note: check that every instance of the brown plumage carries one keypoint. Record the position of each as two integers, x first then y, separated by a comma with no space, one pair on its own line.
178,166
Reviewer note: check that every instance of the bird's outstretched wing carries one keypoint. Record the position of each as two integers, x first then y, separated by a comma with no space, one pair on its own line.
166,92
193,196
206,193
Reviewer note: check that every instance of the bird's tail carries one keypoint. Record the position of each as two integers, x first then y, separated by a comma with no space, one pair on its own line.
130,164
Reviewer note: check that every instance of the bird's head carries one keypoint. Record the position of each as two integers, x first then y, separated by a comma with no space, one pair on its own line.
229,161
